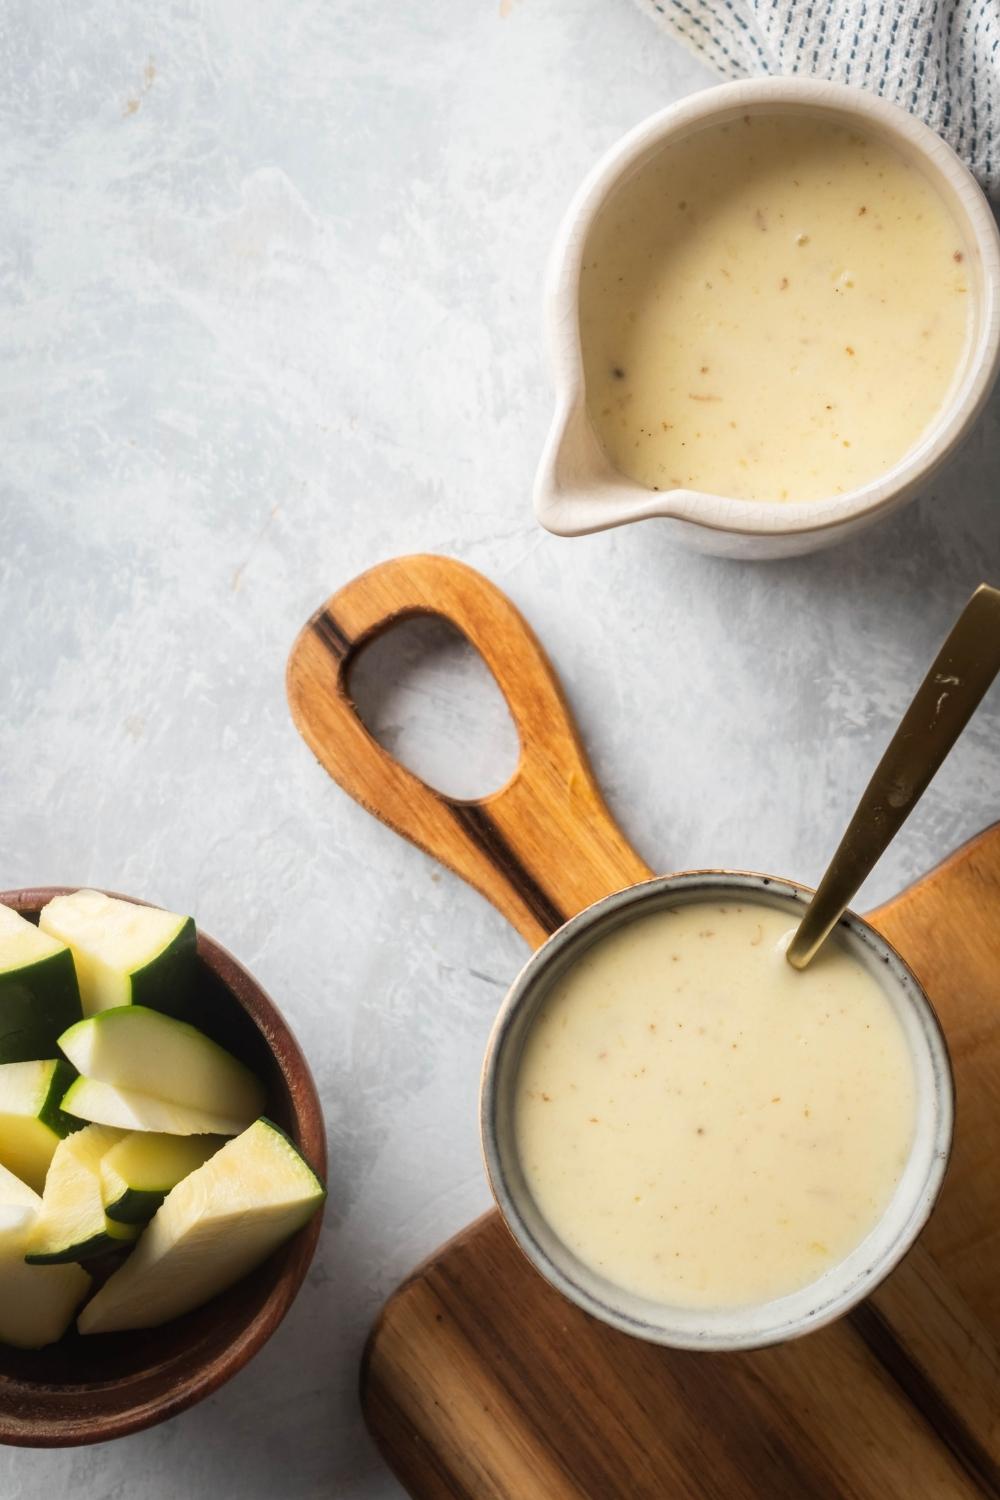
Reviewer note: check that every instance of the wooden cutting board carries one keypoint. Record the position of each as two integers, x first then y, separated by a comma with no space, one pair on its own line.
482,1383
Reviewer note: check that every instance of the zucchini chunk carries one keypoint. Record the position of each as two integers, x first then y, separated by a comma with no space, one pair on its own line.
127,1109
214,1227
19,1204
37,1303
141,1051
31,1121
125,954
39,997
138,1173
72,1224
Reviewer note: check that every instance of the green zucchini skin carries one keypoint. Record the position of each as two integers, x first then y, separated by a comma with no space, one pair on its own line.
37,1003
168,982
98,1244
269,1123
135,1206
51,1114
104,1242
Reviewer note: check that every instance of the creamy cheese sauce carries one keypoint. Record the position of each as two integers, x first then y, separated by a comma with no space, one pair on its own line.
704,1125
773,309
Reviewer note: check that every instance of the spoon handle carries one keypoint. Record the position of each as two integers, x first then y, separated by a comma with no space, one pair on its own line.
945,701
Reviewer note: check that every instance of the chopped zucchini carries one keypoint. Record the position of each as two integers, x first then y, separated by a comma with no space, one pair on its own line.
125,954
214,1227
19,1204
31,1121
72,1224
138,1173
39,997
37,1303
139,1050
129,1110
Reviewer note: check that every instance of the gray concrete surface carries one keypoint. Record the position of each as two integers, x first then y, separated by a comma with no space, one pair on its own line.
270,276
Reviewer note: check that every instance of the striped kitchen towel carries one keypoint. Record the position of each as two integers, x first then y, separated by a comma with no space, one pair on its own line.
938,58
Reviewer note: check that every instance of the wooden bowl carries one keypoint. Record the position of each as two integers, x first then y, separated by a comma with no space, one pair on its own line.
86,1390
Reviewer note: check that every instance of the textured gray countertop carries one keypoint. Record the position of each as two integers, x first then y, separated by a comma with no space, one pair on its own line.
271,280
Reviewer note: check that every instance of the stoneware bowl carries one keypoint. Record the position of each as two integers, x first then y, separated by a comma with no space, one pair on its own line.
724,1328
86,1390
576,488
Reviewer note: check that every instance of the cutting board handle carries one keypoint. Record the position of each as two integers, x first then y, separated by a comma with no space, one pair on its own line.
542,847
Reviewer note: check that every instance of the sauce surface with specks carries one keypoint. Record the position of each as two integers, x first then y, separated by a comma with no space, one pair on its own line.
772,309
704,1125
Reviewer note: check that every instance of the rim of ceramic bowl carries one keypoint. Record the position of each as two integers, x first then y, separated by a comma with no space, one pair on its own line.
572,502
71,1415
756,1325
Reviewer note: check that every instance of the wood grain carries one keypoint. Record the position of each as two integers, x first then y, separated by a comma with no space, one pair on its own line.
947,927
479,1379
544,846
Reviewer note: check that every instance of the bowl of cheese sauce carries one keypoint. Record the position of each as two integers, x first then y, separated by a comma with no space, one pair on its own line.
773,312
698,1143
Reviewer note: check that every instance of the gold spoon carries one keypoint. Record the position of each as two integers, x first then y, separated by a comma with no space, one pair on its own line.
944,703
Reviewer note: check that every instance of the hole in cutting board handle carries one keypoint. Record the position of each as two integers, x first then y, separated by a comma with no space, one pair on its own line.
426,695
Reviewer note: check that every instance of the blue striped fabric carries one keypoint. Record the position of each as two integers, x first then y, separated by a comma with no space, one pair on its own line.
938,58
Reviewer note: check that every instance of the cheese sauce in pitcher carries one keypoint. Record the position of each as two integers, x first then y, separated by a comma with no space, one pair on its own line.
771,309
